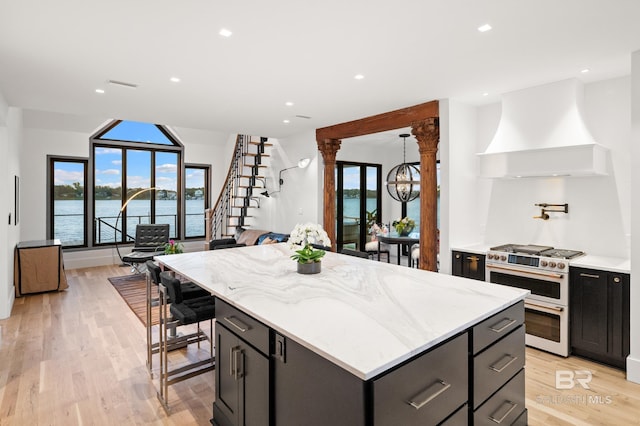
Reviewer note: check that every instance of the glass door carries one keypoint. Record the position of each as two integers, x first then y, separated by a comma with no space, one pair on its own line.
358,202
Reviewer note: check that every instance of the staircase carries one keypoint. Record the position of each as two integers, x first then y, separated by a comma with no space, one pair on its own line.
239,195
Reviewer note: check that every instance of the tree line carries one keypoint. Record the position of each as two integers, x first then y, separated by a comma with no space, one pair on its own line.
75,191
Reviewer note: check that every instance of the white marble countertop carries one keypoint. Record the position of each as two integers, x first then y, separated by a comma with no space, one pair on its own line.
362,315
475,249
613,264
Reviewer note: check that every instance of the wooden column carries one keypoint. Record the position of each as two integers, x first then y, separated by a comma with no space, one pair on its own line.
427,132
328,148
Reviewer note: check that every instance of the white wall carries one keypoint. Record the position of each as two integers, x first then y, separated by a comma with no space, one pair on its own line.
633,361
599,218
461,221
68,135
300,196
10,143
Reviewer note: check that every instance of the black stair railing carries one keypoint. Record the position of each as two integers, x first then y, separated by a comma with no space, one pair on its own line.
226,215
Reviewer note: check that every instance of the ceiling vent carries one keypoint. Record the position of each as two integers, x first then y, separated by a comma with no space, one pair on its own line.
123,84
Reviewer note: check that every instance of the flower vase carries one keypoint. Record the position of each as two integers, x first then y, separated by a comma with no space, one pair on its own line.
406,231
309,268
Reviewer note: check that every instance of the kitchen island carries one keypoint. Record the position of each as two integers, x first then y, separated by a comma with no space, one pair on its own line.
363,342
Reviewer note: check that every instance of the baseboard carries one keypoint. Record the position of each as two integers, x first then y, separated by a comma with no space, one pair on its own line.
633,369
5,309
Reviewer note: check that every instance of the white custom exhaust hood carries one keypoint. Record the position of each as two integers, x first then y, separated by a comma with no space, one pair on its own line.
542,133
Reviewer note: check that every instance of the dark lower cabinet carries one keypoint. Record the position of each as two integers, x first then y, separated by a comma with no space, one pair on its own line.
444,385
497,382
468,265
599,312
242,372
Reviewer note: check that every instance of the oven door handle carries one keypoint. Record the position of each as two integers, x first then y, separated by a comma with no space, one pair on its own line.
549,275
548,309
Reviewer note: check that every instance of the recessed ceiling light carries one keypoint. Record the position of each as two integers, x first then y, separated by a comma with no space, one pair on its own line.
288,103
586,70
175,79
225,32
485,94
286,121
484,28
358,76
101,91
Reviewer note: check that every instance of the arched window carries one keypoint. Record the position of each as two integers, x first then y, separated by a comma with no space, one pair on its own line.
126,157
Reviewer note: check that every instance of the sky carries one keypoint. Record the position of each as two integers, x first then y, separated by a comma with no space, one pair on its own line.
108,162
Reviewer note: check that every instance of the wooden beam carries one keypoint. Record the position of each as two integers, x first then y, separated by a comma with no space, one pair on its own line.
379,123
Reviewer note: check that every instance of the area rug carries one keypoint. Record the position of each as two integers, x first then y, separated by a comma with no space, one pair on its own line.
133,289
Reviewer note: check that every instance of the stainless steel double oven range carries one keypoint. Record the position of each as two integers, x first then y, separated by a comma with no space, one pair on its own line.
545,272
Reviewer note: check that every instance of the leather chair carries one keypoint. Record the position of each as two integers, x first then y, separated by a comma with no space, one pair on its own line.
149,242
183,312
189,291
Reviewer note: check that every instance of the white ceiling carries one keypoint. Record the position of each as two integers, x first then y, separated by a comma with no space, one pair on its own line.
55,54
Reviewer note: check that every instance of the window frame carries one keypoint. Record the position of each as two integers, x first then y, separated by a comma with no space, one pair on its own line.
339,170
97,142
207,199
50,201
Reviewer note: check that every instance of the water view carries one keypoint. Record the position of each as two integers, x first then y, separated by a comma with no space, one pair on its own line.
69,218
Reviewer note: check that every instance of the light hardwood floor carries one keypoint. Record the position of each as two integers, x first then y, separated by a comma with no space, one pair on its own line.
78,358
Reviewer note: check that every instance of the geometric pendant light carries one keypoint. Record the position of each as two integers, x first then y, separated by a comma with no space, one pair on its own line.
403,181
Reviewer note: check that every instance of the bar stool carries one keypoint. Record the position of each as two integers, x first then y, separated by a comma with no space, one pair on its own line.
183,312
189,291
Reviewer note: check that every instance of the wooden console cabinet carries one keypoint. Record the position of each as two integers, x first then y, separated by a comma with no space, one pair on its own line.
38,267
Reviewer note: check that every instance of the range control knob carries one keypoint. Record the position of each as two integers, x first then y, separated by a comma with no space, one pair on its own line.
552,264
503,257
490,256
544,263
561,265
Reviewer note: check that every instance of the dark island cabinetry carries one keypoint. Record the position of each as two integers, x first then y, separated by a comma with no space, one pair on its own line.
599,325
242,369
474,377
468,265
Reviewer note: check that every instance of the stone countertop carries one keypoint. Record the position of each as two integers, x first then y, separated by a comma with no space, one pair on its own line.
613,264
475,249
362,315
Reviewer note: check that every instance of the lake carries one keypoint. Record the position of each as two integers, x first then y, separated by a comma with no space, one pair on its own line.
69,218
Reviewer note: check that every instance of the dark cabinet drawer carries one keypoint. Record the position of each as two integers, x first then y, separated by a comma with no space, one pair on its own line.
426,390
250,330
495,366
460,418
505,407
497,326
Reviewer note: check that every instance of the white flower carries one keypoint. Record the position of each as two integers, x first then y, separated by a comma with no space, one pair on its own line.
308,233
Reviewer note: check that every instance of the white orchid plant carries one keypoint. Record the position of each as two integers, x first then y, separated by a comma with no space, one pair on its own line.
301,239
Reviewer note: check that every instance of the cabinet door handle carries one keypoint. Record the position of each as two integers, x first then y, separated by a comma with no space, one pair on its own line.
239,364
429,394
236,358
232,360
239,325
494,417
501,329
582,274
499,369
616,280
